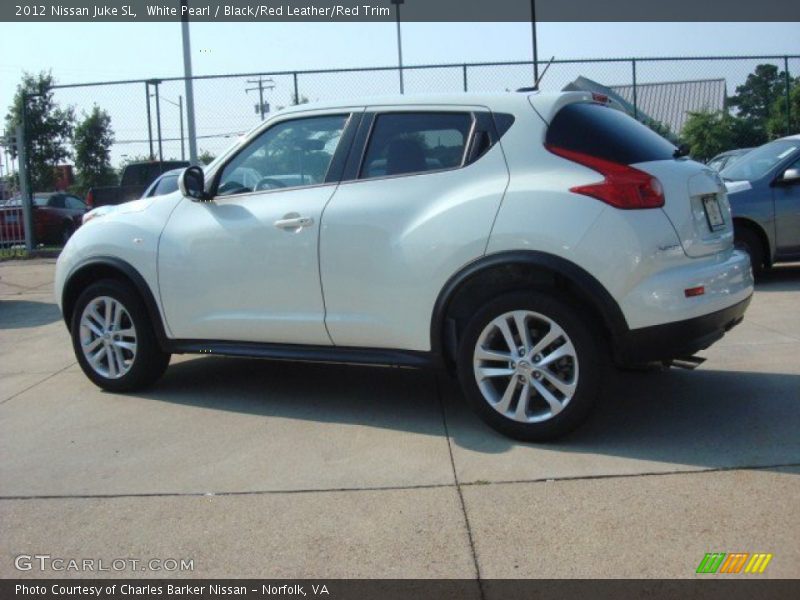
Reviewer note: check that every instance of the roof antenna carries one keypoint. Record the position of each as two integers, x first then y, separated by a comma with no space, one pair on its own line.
535,87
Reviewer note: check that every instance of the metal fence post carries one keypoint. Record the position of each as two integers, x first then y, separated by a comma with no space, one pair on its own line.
635,105
788,95
24,180
296,90
465,77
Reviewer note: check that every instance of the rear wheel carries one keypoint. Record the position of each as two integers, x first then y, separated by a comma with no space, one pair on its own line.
113,338
529,366
748,240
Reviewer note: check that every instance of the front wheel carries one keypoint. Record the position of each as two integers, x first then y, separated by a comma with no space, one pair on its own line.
530,366
113,338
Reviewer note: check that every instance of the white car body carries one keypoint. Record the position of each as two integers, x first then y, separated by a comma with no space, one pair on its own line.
371,267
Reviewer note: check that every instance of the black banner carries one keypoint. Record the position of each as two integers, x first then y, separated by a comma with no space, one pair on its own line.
386,10
711,587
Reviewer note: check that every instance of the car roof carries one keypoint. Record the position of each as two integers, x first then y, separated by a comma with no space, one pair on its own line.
495,100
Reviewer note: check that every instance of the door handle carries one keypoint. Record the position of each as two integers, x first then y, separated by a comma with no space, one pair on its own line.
293,222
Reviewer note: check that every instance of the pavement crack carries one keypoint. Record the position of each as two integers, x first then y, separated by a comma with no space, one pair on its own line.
705,471
41,381
459,491
430,486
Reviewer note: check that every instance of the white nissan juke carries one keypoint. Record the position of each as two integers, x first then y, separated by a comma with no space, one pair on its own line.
523,240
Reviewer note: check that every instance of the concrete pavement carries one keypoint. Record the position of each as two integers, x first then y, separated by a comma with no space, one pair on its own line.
257,469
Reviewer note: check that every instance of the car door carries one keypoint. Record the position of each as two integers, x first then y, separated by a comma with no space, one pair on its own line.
416,203
244,265
787,213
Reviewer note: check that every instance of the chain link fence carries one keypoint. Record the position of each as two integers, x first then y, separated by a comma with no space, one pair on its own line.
711,103
665,90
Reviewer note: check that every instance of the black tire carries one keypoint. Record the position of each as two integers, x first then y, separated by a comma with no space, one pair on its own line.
149,361
590,367
748,240
66,232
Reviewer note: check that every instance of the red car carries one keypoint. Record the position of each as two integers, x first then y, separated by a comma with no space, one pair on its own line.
56,215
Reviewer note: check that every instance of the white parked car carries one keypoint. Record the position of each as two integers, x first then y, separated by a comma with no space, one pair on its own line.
524,240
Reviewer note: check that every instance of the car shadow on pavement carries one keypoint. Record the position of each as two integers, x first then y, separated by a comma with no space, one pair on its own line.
704,418
781,278
20,314
391,398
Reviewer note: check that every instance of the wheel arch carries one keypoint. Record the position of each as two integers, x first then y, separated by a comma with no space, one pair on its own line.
517,270
755,227
109,267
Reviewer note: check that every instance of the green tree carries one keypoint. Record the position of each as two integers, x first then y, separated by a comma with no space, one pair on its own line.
92,141
708,133
777,124
205,157
755,98
49,127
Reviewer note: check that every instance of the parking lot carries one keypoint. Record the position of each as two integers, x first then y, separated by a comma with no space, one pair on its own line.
258,469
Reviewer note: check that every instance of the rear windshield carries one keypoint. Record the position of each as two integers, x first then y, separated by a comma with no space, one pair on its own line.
606,133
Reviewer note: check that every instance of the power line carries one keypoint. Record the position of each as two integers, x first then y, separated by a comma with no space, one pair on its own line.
177,139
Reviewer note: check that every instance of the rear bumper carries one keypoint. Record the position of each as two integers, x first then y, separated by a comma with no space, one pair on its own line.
678,339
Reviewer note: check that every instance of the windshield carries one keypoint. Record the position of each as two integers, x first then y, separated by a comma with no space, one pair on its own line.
757,163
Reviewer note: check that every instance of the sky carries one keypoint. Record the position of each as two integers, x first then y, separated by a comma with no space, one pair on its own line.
84,52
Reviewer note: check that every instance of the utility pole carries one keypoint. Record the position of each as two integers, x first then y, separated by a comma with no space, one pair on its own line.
189,88
155,83
179,104
180,112
397,4
263,84
533,41
149,119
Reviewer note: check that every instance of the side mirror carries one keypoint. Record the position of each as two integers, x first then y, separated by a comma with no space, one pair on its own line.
789,176
192,184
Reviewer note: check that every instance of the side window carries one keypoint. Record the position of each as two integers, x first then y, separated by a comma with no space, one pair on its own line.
56,201
74,203
415,143
290,154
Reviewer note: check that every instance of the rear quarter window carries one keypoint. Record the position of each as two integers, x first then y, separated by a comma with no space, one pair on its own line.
416,142
606,133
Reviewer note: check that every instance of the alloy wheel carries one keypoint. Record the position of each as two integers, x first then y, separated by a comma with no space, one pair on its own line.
108,337
526,366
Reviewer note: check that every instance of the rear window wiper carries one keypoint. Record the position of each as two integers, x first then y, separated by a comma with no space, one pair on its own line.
680,151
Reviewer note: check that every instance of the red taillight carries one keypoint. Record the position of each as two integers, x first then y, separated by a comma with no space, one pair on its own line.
602,98
623,186
694,291
90,199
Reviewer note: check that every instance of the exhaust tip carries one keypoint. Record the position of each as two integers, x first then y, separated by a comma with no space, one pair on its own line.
687,362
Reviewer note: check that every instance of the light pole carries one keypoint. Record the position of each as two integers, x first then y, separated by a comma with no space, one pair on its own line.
179,104
533,41
187,80
397,4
